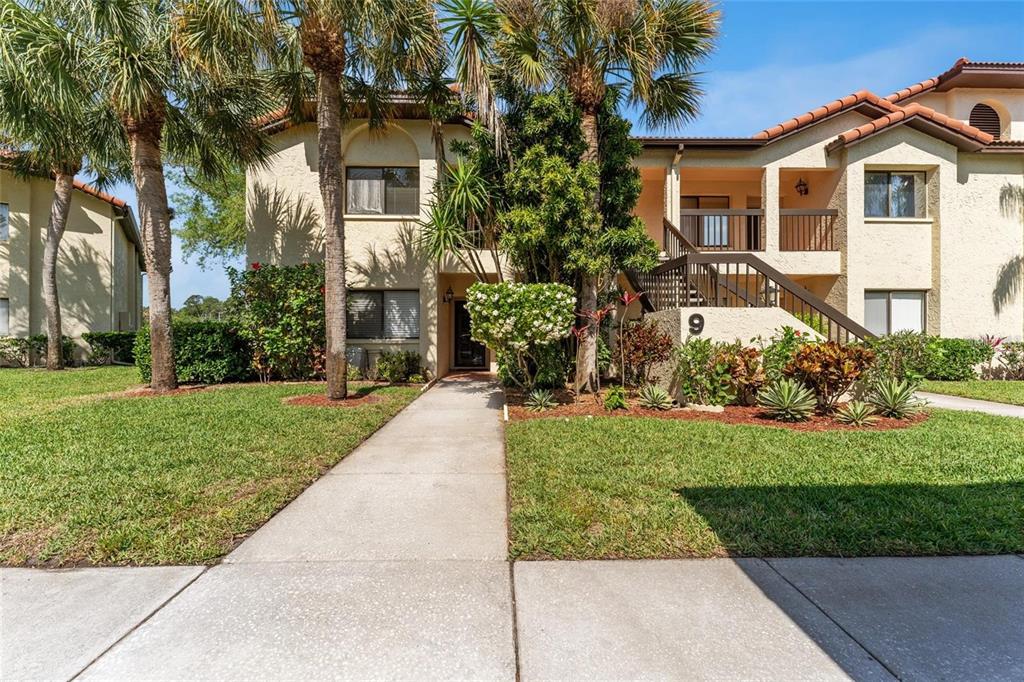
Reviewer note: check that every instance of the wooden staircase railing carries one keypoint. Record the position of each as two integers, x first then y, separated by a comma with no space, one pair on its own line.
740,280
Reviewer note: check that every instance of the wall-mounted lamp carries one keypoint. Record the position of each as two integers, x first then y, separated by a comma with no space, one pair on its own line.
801,187
449,296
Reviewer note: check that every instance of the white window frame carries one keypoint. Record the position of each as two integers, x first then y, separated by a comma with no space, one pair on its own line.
888,305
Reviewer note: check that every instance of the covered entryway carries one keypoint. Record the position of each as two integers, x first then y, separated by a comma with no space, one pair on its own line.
466,353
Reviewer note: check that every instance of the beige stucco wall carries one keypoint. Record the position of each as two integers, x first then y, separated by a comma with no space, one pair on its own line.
286,227
98,275
954,253
957,103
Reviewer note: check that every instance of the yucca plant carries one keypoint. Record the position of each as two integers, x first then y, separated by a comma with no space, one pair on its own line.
856,413
895,398
787,400
540,400
654,397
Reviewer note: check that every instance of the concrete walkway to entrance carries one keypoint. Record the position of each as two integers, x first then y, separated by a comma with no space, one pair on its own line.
394,566
952,402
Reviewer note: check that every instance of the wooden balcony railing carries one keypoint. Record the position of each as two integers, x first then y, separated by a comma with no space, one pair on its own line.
740,280
723,229
802,229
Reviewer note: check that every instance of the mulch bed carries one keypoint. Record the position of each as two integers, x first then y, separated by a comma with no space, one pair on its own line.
732,414
321,400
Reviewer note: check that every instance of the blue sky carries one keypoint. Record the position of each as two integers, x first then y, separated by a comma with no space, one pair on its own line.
778,59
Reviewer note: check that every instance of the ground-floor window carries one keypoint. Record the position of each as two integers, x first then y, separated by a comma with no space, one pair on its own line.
5,317
383,314
887,312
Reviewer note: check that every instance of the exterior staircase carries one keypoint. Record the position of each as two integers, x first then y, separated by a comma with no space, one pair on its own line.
692,278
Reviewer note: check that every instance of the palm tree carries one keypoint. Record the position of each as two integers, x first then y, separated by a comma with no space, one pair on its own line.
353,54
646,50
164,91
47,131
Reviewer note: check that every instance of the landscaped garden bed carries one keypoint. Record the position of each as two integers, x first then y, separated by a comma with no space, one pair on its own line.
593,406
169,479
607,487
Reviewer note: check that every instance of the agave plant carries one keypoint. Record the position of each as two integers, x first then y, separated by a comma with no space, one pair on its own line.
540,400
856,413
654,397
895,398
787,400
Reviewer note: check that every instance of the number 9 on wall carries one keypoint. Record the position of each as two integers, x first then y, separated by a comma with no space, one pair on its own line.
696,322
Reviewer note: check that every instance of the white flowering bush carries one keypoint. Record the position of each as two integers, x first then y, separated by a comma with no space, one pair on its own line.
520,321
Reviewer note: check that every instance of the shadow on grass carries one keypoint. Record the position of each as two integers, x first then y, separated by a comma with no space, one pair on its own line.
863,520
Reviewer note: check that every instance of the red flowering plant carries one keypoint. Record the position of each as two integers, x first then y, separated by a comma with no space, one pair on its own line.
280,312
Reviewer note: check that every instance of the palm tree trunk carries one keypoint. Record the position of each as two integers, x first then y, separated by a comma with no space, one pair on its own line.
328,112
151,193
62,190
586,361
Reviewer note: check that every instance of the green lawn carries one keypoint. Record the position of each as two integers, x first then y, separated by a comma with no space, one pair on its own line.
159,480
22,390
1011,392
647,488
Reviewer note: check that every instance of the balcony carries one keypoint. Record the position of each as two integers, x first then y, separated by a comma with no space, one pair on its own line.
800,229
723,229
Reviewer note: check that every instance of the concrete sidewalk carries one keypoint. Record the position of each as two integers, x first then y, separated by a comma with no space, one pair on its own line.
393,565
952,402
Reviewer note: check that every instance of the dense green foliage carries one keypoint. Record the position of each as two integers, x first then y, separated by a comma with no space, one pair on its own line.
615,398
1009,363
204,353
672,488
521,322
280,311
175,479
198,307
914,356
212,214
397,367
700,374
549,229
110,347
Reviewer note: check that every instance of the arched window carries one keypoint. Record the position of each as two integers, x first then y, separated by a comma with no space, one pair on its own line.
986,119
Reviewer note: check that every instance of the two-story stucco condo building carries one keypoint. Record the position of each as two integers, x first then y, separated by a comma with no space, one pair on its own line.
99,268
867,215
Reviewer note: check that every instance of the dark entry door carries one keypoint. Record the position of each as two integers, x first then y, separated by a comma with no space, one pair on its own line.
468,353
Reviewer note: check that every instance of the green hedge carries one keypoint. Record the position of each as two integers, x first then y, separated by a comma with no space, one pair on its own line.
204,352
913,356
109,347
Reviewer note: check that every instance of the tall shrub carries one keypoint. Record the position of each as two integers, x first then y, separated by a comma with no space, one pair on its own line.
205,352
829,369
520,322
279,310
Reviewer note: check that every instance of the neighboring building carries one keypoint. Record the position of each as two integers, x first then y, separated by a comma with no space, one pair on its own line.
868,214
100,265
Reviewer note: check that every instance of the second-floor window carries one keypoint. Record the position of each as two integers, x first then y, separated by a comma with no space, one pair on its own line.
894,194
382,191
5,222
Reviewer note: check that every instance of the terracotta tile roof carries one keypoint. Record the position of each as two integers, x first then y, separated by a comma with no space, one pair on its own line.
904,113
99,194
813,116
961,65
